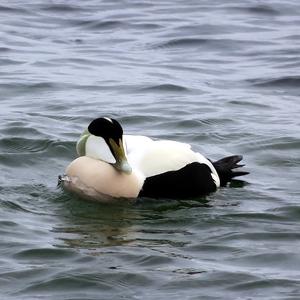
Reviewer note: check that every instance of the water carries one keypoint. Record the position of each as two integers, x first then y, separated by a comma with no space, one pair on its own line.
221,75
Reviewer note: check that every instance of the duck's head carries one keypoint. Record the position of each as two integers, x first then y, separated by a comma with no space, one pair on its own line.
103,140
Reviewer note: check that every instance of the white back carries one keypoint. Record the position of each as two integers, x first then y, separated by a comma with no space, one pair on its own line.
156,157
159,159
152,157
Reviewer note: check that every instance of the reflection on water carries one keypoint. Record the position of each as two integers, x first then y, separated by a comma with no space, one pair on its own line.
92,225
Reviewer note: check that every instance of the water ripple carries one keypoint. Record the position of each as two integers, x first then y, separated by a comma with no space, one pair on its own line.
165,88
45,254
12,10
102,25
61,8
215,44
262,9
282,82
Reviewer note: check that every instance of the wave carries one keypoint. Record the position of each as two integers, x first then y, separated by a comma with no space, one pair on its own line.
218,44
13,146
165,88
291,213
96,24
46,253
11,9
61,8
258,9
283,82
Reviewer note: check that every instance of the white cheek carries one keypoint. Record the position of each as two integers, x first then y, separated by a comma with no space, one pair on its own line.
97,148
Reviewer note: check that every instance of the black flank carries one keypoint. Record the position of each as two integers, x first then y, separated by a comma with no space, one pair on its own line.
190,181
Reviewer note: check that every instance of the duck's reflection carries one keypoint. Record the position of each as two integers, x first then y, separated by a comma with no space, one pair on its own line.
89,225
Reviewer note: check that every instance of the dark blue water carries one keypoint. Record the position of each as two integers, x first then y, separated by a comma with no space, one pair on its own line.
223,76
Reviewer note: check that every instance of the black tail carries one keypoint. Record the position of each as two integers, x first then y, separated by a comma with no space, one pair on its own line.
225,167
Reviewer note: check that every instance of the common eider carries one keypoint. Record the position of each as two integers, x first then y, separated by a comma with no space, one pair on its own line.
111,164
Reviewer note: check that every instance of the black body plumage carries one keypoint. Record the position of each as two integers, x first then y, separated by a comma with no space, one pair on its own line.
190,181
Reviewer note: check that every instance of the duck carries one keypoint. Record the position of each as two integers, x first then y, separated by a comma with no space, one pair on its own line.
113,165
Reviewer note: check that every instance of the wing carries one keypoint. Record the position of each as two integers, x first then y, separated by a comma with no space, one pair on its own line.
152,157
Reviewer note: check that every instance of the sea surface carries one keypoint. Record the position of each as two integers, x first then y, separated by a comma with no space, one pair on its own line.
223,76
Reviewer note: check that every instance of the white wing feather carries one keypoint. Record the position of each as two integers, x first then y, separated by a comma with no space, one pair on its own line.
152,157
